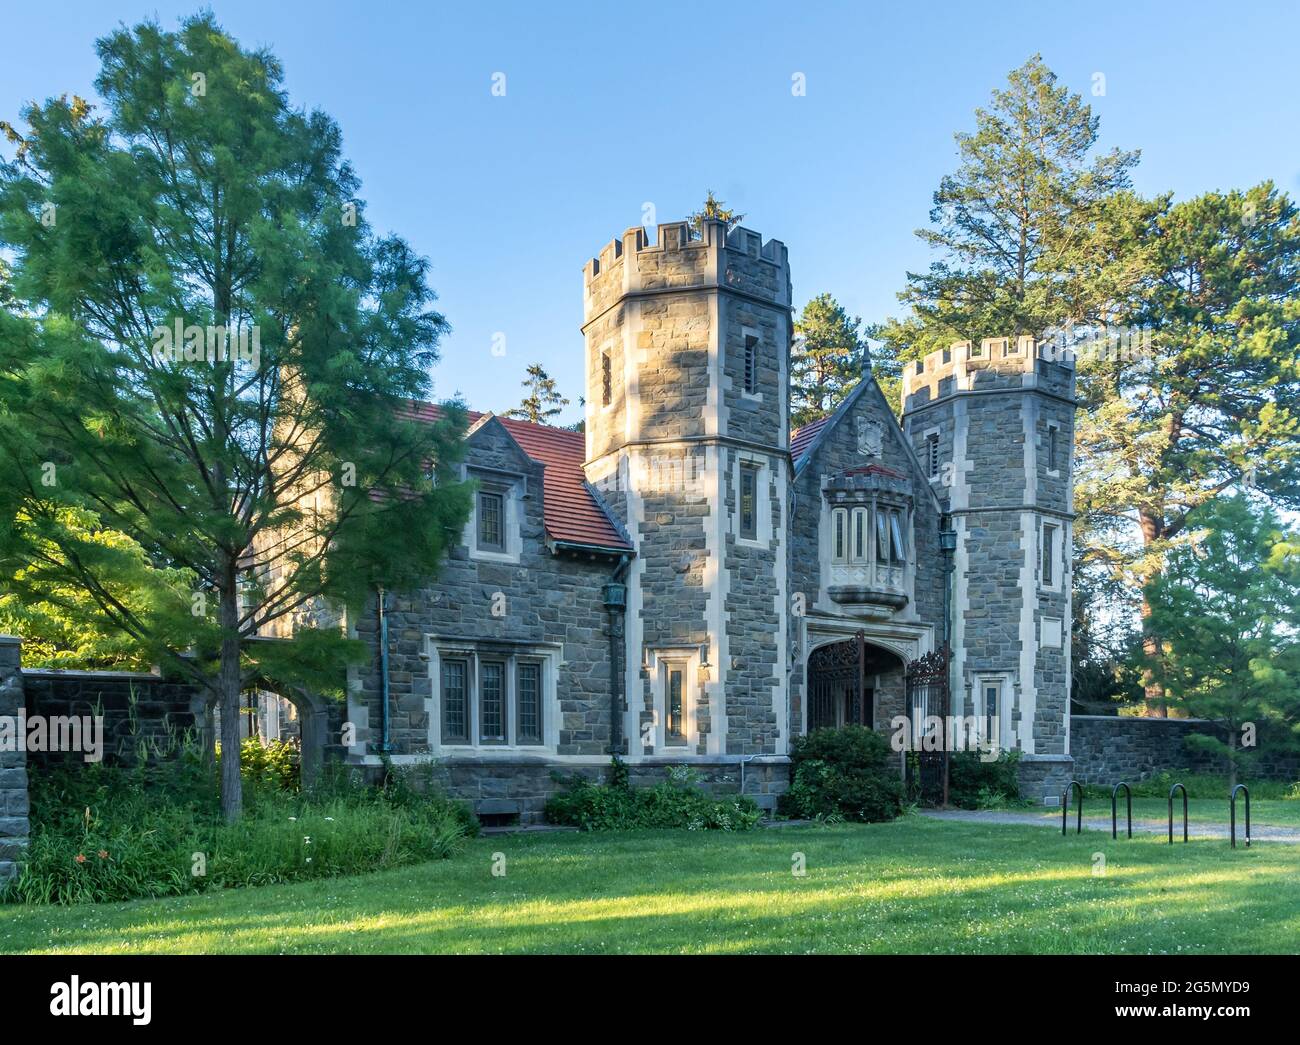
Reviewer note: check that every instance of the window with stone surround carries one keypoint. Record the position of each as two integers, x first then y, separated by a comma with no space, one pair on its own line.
493,697
675,703
748,528
751,364
1049,572
491,522
606,378
1053,449
932,455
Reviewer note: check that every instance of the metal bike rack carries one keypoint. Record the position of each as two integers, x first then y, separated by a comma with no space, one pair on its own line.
1065,805
1232,814
1177,787
1114,801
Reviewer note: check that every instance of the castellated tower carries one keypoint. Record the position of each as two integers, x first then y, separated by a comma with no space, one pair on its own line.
687,423
993,426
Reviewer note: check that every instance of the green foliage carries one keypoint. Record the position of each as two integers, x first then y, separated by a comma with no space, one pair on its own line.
848,772
1227,610
543,400
976,784
714,209
1016,224
276,764
678,802
103,833
827,359
201,197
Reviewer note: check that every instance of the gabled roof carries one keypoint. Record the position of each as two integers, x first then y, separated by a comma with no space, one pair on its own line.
573,512
802,438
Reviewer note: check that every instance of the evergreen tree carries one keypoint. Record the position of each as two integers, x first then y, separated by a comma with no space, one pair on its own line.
828,359
713,210
1016,223
1227,609
1209,396
543,400
273,466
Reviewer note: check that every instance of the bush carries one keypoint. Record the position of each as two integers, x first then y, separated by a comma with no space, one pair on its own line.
678,802
976,784
848,773
103,833
277,763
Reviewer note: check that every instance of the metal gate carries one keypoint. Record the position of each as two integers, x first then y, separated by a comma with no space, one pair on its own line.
927,700
836,693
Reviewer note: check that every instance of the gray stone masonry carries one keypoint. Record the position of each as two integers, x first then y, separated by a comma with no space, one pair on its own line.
13,764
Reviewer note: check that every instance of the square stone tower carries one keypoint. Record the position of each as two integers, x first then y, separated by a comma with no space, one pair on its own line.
687,423
993,426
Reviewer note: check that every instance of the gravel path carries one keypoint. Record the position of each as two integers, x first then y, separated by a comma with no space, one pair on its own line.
1258,832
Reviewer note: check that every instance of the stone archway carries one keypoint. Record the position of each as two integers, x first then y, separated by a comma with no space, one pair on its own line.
843,682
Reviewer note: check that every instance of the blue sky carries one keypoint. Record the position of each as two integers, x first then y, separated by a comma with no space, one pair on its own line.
609,107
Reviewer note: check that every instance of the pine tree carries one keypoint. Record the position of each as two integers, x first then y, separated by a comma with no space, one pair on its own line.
1206,399
713,210
1016,223
543,400
207,354
828,359
1227,609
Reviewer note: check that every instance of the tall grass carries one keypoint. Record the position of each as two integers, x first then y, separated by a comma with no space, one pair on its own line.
102,833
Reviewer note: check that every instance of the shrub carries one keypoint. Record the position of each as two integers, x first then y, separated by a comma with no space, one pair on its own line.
277,763
976,784
103,833
678,802
848,773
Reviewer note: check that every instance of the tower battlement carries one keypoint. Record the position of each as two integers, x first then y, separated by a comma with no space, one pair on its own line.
738,258
996,362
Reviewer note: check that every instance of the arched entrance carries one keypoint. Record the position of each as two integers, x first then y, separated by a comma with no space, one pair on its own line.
841,677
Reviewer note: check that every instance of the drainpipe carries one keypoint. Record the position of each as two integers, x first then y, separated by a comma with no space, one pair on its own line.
616,604
385,744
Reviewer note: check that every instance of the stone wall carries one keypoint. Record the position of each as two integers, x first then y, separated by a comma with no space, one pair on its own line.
13,764
1111,748
141,713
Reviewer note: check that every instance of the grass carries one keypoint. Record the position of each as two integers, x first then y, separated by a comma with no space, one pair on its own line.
913,886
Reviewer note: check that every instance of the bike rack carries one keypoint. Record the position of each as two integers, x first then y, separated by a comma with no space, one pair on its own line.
1065,805
1114,801
1232,813
1177,787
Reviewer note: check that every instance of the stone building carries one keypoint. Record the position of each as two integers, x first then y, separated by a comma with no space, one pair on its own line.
689,581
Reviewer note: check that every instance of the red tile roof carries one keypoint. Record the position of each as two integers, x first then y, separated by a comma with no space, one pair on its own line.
801,439
570,510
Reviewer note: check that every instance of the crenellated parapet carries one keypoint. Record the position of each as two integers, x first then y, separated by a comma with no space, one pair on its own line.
993,362
738,259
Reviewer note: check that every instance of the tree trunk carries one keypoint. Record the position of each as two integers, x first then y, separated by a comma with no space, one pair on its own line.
1154,694
232,793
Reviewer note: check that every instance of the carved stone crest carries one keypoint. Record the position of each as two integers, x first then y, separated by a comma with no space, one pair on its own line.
871,437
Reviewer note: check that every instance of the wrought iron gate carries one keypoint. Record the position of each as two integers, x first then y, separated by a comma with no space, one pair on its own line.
927,700
836,692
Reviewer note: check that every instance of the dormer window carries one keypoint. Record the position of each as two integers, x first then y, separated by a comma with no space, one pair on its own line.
493,531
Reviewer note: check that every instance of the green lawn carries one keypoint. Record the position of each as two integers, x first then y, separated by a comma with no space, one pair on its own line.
1273,812
913,886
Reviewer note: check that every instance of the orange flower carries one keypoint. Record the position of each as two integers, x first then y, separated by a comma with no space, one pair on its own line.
103,854
81,858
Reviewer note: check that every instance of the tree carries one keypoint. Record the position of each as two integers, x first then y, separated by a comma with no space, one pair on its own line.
829,358
1207,399
543,400
1227,609
208,353
713,210
1017,223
